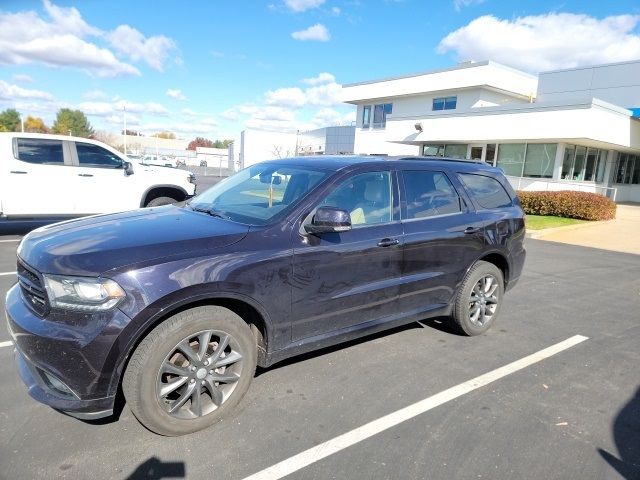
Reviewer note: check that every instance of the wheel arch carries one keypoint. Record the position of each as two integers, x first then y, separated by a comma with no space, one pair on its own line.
249,310
499,260
164,190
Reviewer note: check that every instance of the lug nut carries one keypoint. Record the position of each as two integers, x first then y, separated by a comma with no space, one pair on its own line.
203,382
206,362
192,381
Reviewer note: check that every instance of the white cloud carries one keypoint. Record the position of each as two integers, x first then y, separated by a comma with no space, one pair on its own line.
175,93
12,92
189,113
460,4
321,79
315,33
302,5
97,108
20,77
292,97
154,51
94,95
59,41
336,11
546,42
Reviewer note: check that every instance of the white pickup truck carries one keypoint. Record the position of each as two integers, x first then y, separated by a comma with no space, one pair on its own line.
55,176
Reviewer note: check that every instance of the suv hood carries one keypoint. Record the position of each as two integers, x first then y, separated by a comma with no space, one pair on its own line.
91,246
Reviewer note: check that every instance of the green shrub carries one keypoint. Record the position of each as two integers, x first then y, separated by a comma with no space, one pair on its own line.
569,204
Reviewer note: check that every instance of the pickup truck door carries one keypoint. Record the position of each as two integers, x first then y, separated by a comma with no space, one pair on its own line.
100,181
37,178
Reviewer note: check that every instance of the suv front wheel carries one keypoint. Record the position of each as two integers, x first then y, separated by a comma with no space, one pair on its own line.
190,370
479,299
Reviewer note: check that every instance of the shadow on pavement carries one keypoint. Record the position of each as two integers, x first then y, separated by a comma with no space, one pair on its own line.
626,434
156,469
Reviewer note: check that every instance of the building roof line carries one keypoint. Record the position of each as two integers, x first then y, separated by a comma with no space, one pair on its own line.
587,67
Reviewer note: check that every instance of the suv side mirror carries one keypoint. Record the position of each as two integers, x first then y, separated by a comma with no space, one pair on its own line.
128,168
329,220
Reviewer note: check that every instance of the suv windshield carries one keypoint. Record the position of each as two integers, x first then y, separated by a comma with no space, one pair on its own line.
259,193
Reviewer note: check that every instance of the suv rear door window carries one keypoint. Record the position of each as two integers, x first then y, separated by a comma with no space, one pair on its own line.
94,156
487,191
40,151
428,194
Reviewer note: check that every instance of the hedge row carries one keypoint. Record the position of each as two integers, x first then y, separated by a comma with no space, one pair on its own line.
569,204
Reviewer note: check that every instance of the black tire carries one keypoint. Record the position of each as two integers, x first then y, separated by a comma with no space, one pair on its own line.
143,379
158,201
466,305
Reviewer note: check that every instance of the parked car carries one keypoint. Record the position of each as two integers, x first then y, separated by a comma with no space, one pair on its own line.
158,160
59,176
177,305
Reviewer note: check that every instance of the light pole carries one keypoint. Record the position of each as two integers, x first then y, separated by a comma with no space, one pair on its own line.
124,120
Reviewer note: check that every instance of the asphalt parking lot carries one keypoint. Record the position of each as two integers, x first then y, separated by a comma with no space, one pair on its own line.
573,415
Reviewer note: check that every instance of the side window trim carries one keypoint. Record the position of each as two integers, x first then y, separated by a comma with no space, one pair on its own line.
464,202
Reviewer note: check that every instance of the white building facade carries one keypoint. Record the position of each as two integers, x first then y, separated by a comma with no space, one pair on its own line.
563,130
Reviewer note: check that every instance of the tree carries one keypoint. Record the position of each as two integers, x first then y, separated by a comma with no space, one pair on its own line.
10,120
222,143
200,142
73,121
35,125
168,135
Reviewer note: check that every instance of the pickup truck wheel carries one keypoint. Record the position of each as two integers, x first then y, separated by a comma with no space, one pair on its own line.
190,371
479,299
156,202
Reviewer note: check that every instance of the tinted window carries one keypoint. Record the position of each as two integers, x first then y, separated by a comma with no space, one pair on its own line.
44,152
487,191
367,197
428,194
95,156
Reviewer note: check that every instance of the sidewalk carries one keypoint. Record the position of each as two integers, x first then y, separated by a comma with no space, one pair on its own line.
621,234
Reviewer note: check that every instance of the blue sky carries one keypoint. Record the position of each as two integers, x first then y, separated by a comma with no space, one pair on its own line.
213,68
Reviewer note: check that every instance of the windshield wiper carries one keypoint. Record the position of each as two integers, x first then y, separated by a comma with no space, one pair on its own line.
209,211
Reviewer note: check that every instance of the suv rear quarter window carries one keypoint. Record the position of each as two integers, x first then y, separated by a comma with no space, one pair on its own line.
486,191
40,151
428,194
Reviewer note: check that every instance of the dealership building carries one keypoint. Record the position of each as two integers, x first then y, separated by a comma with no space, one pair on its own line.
574,129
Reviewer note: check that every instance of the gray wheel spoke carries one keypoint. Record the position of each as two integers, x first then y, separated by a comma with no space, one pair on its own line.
233,357
203,339
475,314
169,367
215,392
196,401
225,377
492,299
492,290
167,388
222,345
187,351
186,395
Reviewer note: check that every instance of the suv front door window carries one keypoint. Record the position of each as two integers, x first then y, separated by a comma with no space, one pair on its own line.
347,278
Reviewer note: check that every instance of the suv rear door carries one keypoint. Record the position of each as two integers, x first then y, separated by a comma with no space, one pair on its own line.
38,174
442,237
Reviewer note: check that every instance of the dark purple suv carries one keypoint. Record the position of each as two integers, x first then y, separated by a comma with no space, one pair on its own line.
177,305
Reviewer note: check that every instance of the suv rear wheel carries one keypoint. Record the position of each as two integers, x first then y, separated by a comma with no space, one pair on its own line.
190,371
479,299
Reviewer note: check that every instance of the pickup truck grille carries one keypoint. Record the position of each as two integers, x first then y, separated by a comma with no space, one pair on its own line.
33,290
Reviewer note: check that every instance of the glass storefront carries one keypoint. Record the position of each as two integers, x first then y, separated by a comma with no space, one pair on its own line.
627,169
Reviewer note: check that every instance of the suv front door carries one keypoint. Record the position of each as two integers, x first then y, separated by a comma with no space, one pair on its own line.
39,174
344,279
442,237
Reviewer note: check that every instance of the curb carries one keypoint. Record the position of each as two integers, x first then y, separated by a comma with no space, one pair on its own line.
545,231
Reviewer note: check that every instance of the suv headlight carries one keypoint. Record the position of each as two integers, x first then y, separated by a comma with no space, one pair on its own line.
82,293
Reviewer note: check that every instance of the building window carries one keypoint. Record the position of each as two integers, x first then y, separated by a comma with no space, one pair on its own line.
539,160
511,158
444,103
583,164
440,150
628,169
366,116
380,113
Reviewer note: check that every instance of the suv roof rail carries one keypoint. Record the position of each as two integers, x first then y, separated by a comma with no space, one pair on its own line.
436,159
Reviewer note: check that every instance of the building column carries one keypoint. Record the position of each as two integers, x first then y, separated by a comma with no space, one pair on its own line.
557,165
609,170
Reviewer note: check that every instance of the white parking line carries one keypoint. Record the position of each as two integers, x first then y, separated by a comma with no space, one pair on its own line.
11,240
6,344
4,274
314,454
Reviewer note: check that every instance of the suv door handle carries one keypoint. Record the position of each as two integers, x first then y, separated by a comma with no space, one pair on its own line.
470,230
18,171
85,175
388,242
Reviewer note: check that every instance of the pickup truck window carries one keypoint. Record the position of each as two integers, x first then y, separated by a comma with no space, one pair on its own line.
94,156
40,151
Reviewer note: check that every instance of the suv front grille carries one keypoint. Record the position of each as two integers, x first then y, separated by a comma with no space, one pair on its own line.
33,290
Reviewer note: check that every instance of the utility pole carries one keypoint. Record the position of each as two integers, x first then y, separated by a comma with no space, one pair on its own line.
124,119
